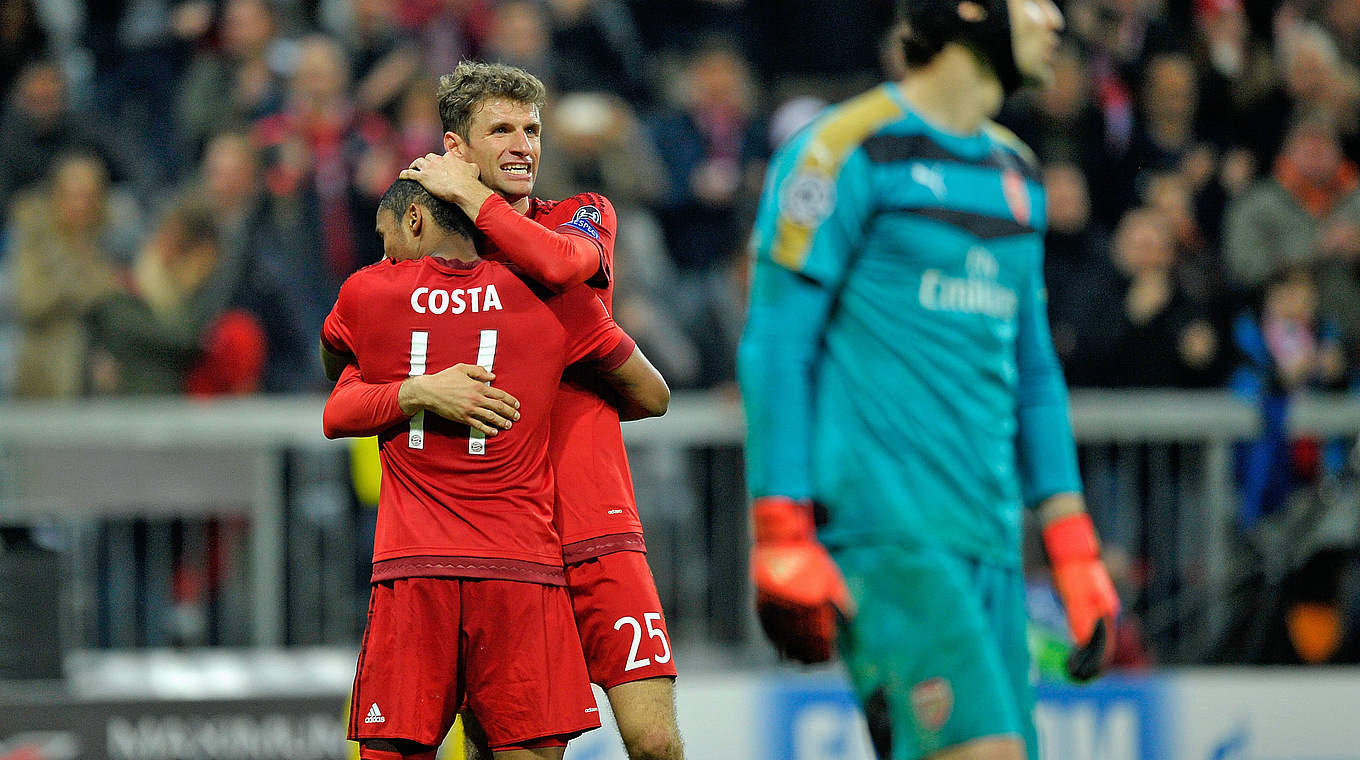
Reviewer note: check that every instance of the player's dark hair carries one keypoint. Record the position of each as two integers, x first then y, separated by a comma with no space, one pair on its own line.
473,82
404,192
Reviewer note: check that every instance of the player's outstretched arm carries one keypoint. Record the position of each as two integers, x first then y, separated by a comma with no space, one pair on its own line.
1082,581
643,391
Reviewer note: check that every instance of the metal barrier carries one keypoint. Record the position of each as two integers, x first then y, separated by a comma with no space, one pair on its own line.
131,489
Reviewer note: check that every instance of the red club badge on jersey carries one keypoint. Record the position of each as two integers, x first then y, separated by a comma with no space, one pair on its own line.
932,701
1017,197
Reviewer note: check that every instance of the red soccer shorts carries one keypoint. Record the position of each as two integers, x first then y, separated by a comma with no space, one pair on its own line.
618,615
506,650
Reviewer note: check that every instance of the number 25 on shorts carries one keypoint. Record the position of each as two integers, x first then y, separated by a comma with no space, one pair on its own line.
652,632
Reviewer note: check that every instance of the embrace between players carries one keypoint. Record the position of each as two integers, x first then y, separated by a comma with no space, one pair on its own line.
509,569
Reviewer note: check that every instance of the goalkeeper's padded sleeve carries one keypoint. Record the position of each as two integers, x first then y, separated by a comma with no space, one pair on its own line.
799,590
555,259
1086,590
356,408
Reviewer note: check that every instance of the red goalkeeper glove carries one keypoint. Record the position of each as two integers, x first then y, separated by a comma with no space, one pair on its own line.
1087,593
799,589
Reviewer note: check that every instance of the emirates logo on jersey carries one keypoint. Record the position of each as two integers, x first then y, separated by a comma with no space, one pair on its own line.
1017,197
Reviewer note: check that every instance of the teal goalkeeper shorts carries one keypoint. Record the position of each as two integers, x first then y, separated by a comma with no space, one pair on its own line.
936,651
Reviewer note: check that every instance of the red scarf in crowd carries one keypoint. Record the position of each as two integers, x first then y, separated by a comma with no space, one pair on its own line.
1317,200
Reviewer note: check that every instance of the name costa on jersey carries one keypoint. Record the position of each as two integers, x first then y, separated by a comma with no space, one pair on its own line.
456,301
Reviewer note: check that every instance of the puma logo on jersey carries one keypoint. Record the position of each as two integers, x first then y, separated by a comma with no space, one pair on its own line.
375,715
929,178
455,301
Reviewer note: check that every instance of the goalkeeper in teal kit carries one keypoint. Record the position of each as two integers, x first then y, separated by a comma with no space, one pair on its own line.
903,400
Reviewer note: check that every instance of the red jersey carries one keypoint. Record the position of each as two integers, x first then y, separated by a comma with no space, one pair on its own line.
454,504
596,510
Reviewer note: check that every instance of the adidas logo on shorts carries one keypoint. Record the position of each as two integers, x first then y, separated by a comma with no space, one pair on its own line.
375,715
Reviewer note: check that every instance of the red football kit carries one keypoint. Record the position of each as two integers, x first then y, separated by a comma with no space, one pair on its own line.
596,511
556,243
455,506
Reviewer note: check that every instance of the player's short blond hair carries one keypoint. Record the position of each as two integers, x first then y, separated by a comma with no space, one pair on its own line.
463,92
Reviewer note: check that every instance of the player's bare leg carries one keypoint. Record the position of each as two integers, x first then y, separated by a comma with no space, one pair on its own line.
991,748
547,753
645,713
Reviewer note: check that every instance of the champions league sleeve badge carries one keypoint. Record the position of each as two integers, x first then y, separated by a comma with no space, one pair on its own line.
585,219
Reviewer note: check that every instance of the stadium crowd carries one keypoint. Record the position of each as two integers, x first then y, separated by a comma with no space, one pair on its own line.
185,184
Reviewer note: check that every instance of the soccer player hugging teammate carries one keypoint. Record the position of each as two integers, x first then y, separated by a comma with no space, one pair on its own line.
898,253
491,114
469,608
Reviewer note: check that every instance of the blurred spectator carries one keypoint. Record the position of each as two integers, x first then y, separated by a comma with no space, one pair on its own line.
823,41
258,248
384,57
1307,212
419,130
22,39
139,49
672,27
1139,327
1287,347
1075,248
449,30
39,124
713,146
327,162
1164,136
596,47
236,84
1342,19
521,36
1237,76
595,143
63,265
1317,83
1061,122
168,334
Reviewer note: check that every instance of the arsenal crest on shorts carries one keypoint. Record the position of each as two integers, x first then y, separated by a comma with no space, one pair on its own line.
932,701
1017,197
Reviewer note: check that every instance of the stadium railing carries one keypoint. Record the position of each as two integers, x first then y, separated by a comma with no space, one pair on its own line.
124,489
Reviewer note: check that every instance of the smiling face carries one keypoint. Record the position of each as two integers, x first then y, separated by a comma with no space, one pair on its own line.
1034,38
503,141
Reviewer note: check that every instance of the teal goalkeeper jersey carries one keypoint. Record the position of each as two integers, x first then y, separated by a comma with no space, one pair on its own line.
896,365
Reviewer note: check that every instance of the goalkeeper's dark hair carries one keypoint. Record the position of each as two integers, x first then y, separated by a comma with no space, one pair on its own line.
473,82
985,29
404,192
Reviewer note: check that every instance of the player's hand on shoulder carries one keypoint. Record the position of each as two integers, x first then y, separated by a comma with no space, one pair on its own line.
461,393
800,592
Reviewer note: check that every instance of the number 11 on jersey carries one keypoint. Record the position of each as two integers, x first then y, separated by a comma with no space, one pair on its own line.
486,356
420,350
